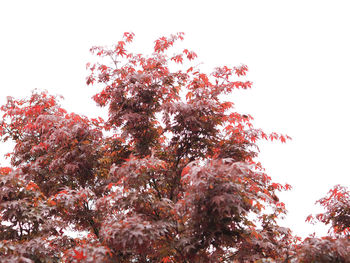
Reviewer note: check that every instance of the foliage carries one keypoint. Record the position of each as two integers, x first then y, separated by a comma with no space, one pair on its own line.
171,175
336,246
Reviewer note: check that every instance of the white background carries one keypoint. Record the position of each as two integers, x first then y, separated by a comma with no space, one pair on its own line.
297,53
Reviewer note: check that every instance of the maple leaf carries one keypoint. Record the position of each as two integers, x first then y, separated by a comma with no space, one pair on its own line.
129,36
177,59
79,255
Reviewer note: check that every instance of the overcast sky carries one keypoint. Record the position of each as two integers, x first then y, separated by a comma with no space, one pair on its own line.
297,52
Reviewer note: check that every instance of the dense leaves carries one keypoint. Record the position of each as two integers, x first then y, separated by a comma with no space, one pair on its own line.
171,175
336,246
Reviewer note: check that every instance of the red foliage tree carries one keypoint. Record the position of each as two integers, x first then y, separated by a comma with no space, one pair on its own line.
169,177
336,246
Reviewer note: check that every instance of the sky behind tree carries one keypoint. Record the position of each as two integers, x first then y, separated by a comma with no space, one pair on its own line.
297,53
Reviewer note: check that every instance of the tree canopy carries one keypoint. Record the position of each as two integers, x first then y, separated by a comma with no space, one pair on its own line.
170,176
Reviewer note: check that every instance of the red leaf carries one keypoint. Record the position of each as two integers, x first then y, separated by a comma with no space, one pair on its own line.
166,260
177,59
129,36
31,186
309,218
288,187
79,255
189,95
189,69
283,139
5,170
185,171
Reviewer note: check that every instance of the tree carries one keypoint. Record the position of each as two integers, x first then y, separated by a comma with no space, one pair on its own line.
171,175
336,246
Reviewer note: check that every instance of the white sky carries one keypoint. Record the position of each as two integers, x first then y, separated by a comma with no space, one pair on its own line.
298,53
